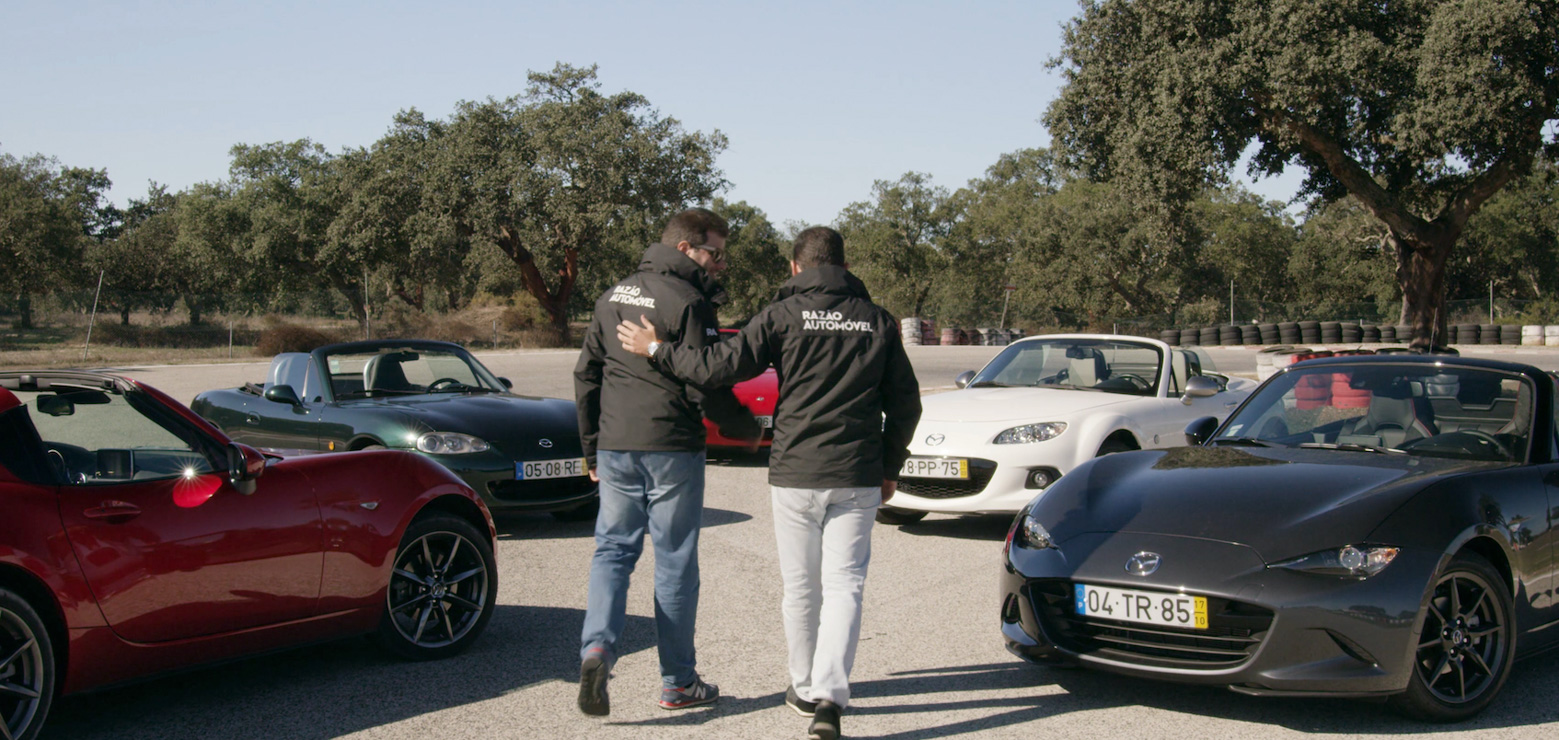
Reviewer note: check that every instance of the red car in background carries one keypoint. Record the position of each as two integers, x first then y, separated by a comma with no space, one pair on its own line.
137,539
758,395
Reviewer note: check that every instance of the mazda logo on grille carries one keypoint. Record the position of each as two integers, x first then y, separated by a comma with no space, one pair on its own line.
545,443
1143,563
934,440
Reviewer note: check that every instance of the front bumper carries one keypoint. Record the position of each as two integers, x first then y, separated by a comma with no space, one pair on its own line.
1271,631
492,476
994,487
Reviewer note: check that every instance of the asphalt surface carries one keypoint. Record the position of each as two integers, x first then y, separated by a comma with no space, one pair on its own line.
930,664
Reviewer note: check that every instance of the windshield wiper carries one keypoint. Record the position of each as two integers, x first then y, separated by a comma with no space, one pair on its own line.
463,388
1251,441
987,384
1351,447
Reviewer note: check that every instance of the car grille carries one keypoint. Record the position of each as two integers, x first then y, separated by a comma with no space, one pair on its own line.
540,491
1235,630
980,472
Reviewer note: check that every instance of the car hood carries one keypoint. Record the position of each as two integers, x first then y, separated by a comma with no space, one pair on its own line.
1282,502
506,421
1015,404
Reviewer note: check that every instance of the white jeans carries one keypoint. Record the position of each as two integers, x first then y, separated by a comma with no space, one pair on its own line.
824,537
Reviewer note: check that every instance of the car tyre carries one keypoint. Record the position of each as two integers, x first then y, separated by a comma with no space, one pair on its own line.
891,515
586,513
1467,646
27,676
442,590
1112,446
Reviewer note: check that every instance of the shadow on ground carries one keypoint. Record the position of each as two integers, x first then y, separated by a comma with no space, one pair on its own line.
338,688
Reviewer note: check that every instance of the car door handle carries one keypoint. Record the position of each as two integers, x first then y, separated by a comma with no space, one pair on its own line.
113,511
252,419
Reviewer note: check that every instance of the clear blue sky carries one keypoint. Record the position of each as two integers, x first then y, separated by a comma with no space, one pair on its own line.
818,99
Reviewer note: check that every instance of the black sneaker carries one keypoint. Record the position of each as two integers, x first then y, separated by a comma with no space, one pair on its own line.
802,706
593,673
825,722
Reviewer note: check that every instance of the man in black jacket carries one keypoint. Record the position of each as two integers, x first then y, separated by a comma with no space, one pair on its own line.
643,434
848,404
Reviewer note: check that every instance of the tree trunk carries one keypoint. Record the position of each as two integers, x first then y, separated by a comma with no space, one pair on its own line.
555,302
24,311
193,303
1421,277
124,316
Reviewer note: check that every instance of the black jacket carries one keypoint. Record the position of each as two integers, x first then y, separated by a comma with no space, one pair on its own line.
624,402
848,398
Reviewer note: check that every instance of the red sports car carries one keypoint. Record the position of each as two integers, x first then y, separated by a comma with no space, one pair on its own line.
137,539
758,395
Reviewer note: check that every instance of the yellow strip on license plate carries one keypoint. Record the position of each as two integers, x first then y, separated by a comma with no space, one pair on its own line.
1143,607
936,467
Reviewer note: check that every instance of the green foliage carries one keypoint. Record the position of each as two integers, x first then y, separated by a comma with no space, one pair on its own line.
758,262
895,241
1421,109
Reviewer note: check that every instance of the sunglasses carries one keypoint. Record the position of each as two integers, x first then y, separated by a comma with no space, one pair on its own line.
717,254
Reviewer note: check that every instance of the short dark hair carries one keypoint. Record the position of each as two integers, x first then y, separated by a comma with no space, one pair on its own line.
818,245
694,226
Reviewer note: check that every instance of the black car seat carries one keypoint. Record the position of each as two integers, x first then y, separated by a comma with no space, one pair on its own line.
384,373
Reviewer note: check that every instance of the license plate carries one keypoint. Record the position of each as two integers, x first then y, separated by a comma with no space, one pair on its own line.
1144,607
542,469
929,467
767,422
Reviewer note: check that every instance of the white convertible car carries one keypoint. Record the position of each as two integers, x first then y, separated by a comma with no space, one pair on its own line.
1045,405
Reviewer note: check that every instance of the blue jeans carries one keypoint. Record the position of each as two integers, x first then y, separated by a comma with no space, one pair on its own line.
663,492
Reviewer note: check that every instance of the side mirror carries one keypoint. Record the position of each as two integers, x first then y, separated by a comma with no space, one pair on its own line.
1198,432
244,465
962,381
1199,386
507,383
283,394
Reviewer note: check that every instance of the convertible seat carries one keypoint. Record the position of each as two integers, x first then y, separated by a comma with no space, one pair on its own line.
384,373
1397,420
1087,371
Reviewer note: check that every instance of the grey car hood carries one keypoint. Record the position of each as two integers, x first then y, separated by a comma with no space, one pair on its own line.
506,421
1282,502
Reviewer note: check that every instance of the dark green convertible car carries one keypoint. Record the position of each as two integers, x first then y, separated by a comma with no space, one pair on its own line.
518,452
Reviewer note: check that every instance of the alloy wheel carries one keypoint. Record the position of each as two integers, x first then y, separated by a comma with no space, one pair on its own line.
438,590
22,678
1461,652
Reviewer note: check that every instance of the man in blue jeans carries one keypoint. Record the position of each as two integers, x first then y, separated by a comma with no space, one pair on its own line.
643,432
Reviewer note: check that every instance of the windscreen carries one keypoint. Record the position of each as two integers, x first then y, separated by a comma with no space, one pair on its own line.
1436,410
1091,364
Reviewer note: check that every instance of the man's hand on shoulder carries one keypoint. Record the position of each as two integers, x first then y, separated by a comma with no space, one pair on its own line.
889,487
636,338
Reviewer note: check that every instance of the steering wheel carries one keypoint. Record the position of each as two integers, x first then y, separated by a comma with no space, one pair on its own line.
1137,380
442,381
1476,434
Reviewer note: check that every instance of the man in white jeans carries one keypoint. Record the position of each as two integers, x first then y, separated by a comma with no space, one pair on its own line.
848,403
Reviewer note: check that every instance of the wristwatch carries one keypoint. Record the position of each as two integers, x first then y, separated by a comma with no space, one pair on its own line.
653,346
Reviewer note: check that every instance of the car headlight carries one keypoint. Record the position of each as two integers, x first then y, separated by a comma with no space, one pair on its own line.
1352,561
1030,433
450,443
1028,533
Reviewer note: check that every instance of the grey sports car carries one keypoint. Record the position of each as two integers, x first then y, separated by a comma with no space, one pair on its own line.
518,452
1361,526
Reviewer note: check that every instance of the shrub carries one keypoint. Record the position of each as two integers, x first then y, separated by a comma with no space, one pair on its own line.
279,337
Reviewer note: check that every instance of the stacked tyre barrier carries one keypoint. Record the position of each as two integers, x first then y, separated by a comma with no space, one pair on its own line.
1352,332
917,331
